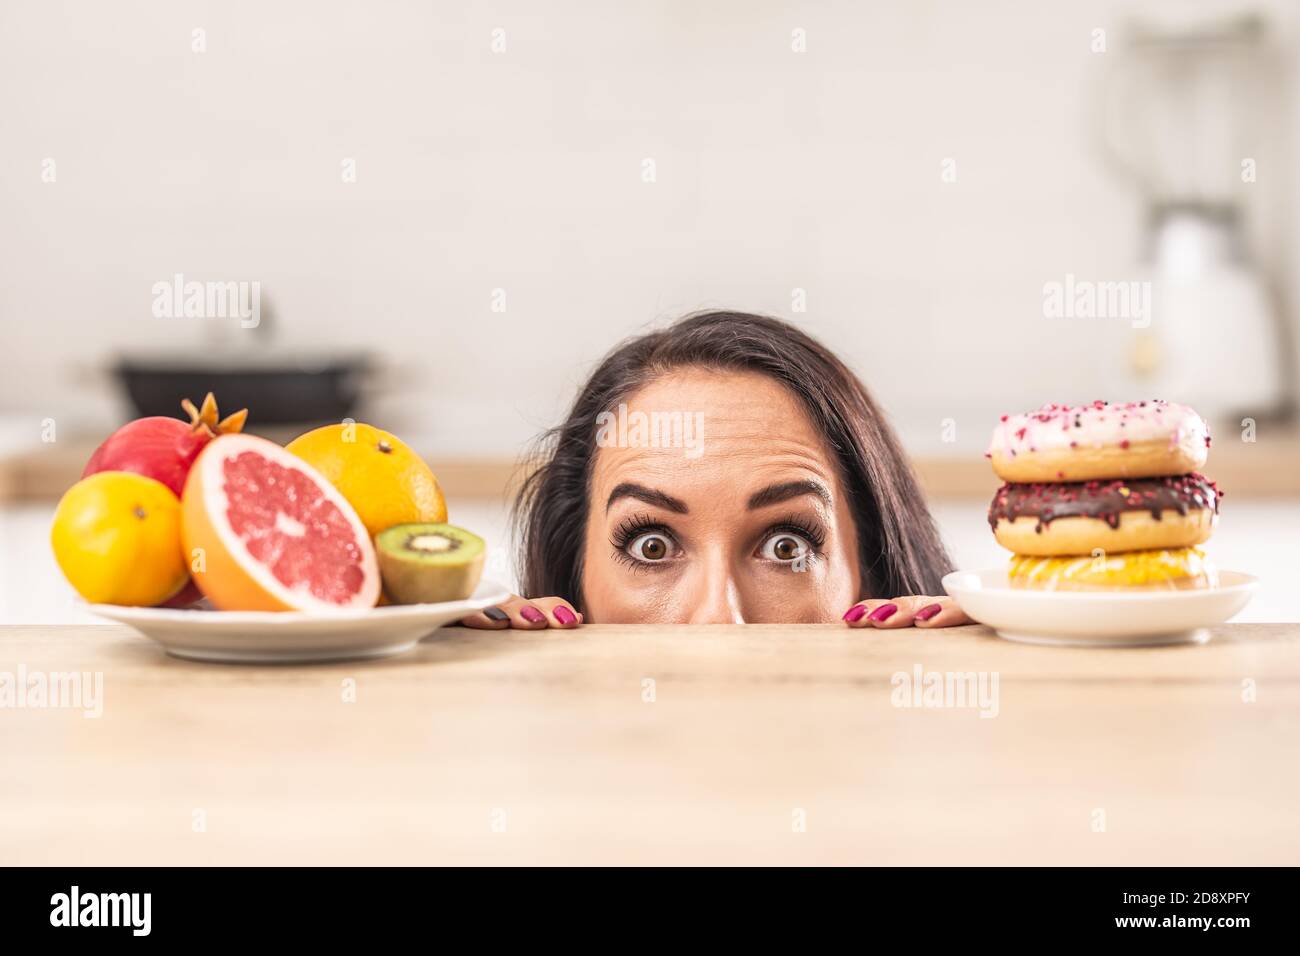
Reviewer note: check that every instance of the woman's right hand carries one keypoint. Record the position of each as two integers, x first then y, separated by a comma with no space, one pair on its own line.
526,614
941,611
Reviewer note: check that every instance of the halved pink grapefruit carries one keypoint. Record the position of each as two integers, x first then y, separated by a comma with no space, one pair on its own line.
265,531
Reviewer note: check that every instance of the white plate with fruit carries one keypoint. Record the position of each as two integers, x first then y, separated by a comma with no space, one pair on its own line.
289,548
297,637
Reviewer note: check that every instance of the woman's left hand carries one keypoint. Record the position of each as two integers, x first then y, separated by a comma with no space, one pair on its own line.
526,614
906,612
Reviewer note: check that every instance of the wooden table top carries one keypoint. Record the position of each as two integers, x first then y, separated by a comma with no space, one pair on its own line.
745,744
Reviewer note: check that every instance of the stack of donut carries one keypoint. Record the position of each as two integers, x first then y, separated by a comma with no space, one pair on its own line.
1104,496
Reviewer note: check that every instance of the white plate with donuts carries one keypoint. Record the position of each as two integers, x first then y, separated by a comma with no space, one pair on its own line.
1118,617
1104,510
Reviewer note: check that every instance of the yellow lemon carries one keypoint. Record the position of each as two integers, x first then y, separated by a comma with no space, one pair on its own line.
380,476
117,539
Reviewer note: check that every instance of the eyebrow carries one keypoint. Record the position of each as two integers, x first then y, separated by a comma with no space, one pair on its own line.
771,495
650,496
774,494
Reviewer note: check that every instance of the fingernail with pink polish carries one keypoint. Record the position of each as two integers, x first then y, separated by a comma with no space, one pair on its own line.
855,613
927,612
564,616
532,615
883,613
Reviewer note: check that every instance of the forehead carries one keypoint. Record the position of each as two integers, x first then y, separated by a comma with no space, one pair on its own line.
749,431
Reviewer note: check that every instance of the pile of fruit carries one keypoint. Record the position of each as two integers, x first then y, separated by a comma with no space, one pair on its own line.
345,516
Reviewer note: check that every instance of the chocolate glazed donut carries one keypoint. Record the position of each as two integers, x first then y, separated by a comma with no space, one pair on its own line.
1062,518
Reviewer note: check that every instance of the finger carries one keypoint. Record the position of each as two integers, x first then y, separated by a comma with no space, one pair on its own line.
559,612
948,615
520,613
488,619
515,611
888,613
859,615
525,615
896,612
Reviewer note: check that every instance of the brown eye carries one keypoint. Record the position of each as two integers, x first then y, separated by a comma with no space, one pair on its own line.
649,547
786,549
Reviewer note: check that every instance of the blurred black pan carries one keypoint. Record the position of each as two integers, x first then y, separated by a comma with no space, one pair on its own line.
283,394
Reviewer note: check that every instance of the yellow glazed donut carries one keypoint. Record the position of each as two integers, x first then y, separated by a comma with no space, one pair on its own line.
1078,518
1169,569
1101,440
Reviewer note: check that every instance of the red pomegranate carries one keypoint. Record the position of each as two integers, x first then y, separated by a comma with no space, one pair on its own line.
164,448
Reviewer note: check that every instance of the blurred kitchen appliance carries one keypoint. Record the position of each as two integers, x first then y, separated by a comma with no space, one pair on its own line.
243,368
278,393
1183,110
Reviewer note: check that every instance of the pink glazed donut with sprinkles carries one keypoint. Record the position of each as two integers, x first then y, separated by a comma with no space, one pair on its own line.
1099,441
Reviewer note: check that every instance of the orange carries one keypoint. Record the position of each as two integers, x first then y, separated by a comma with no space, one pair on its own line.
264,531
117,539
385,481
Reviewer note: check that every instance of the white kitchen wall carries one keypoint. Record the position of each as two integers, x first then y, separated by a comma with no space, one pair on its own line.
522,170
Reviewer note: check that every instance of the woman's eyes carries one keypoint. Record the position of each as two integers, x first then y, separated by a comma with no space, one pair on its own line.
653,547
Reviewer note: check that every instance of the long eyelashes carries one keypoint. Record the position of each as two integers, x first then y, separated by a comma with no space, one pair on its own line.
635,525
622,557
812,532
631,528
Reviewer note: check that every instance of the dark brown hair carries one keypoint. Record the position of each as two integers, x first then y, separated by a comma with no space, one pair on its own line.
899,547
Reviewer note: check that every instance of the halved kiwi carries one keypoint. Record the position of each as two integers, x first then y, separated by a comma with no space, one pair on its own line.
428,563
